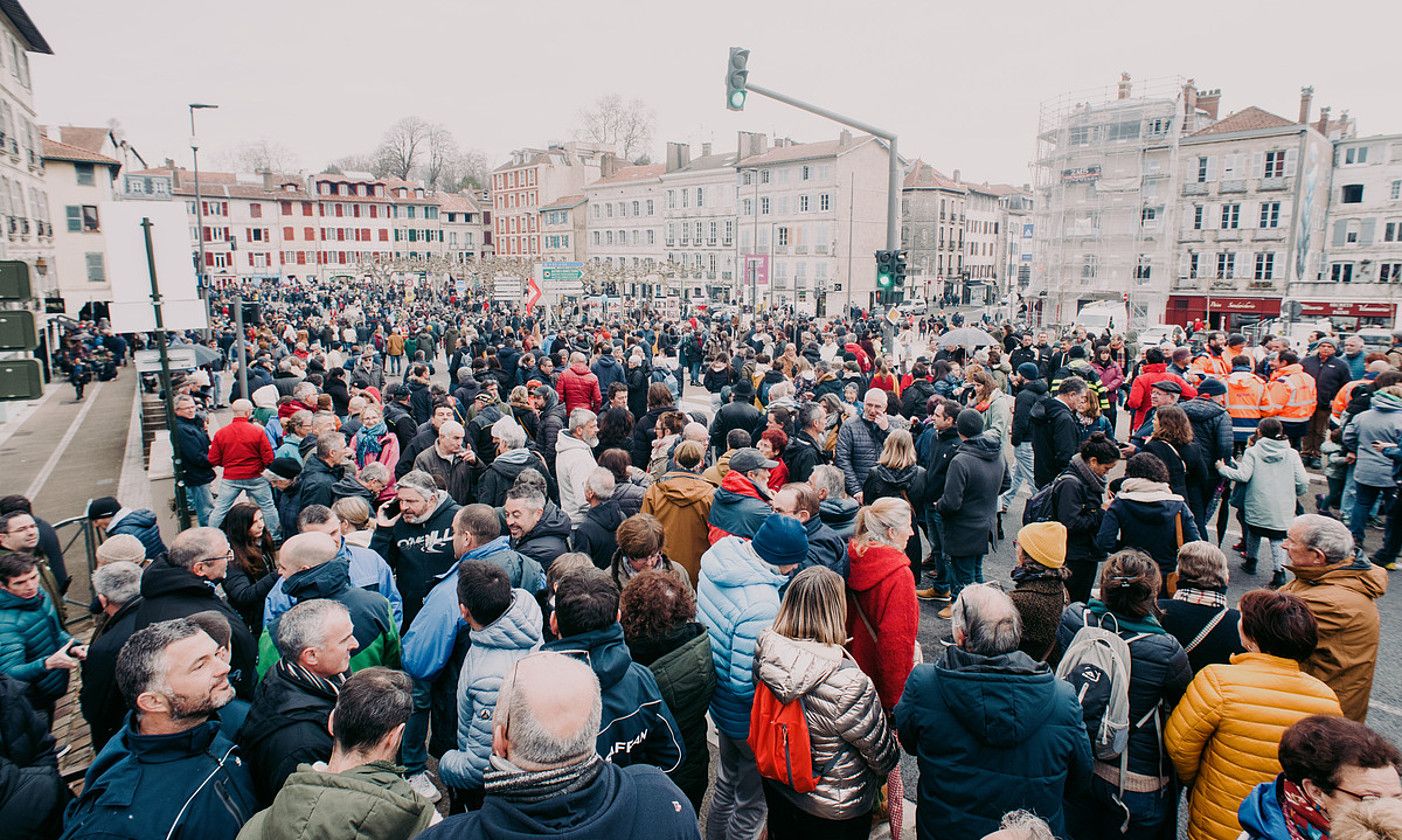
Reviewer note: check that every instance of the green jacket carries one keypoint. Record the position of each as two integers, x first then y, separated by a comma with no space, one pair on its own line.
686,678
372,800
29,632
375,630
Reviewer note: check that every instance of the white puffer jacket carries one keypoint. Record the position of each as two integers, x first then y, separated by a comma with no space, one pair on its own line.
853,748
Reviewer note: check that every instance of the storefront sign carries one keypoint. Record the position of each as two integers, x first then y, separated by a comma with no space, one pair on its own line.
1081,174
1343,309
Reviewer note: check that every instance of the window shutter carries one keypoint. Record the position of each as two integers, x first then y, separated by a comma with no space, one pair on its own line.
1290,157
1365,231
75,219
1340,233
1258,165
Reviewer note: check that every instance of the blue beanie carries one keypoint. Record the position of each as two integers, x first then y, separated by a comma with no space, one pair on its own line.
781,541
1028,370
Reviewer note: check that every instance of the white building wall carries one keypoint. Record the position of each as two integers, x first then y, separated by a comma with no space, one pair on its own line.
1362,258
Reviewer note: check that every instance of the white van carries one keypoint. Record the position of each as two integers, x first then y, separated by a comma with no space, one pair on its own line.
1102,315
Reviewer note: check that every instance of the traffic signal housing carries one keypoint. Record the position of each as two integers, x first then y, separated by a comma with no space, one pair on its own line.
736,77
898,268
14,281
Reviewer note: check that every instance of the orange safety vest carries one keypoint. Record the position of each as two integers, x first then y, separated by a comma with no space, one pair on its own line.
1292,395
1340,403
1245,394
1210,365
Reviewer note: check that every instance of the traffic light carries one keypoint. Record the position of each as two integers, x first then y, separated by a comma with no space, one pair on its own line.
14,280
21,379
898,266
735,78
17,330
885,275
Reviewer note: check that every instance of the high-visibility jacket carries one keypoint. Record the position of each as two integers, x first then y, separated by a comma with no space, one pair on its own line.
1341,400
1291,395
1246,393
1210,365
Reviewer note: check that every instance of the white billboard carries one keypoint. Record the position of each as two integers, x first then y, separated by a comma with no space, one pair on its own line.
127,267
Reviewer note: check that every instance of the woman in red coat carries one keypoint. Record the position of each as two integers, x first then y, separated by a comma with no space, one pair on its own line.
882,613
771,445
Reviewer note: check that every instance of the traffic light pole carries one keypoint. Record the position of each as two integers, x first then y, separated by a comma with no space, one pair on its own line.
893,193
182,510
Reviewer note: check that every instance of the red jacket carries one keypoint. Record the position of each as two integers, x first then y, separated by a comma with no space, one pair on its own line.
1138,400
291,407
880,582
242,449
579,388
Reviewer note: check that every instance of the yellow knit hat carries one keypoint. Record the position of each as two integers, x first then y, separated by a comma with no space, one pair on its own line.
1044,542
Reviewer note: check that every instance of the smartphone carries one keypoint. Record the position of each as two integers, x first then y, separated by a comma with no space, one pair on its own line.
391,508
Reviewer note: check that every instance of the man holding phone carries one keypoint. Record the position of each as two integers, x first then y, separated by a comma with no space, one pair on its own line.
38,652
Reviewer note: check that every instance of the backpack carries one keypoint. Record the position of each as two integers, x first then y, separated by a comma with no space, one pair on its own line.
779,737
1042,506
660,374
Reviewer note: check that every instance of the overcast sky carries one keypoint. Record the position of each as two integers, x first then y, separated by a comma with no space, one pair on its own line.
960,83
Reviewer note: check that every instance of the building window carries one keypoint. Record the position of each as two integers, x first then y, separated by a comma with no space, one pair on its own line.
803,173
1352,194
803,202
1143,269
1231,216
1197,216
729,231
1270,214
1193,266
1088,267
700,197
1341,272
764,206
1148,215
1396,190
1202,170
97,269
85,174
1080,136
1265,265
686,198
824,202
255,210
781,236
1226,265
1392,232
764,176
747,177
651,236
649,207
1356,155
1390,273
1275,165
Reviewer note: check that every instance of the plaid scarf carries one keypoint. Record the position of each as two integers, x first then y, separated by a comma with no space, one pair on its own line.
328,687
1205,597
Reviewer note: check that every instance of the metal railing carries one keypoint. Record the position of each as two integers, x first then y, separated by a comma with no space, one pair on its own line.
71,532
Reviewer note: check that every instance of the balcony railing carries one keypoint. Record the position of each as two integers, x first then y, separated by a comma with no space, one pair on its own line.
1194,188
1268,184
1234,185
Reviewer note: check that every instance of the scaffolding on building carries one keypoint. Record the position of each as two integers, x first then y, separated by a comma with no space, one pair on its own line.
1105,208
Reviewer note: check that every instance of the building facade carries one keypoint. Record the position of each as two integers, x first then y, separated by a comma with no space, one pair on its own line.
535,178
624,228
1360,283
811,218
464,228
564,226
699,208
81,168
28,233
1254,191
1106,201
932,232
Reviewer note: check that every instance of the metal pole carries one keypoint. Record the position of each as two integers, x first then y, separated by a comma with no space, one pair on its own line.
199,225
182,509
851,222
241,346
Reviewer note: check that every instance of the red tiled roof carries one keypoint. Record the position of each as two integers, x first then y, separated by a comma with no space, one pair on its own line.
923,176
84,137
1247,119
54,150
457,203
804,151
564,202
633,173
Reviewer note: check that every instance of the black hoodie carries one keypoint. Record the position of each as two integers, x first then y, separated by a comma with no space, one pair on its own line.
548,539
1055,436
285,727
418,552
1028,396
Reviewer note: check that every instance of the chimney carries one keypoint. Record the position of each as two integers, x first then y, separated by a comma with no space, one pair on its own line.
269,181
705,150
1125,86
759,143
956,176
1323,126
608,165
844,139
677,156
1208,101
1190,99
1306,97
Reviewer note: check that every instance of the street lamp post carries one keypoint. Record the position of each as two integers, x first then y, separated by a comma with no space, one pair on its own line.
199,211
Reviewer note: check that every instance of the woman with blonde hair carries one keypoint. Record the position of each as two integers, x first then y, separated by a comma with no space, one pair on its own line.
374,441
357,525
882,613
853,749
898,475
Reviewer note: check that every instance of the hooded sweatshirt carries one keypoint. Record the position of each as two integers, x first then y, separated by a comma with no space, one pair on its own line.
1382,422
977,475
1343,598
418,552
738,508
839,514
883,590
548,539
1147,515
376,631
681,501
1267,468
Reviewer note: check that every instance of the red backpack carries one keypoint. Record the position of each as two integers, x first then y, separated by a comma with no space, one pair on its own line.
779,738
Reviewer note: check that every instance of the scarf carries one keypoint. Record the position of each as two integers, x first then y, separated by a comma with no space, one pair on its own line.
367,442
1034,571
1147,624
1303,818
330,687
1204,597
1144,490
510,782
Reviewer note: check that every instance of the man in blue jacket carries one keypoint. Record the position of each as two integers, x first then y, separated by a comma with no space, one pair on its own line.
993,730
637,726
368,570
171,771
109,515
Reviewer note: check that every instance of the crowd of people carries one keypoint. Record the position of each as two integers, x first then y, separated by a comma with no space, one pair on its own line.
521,601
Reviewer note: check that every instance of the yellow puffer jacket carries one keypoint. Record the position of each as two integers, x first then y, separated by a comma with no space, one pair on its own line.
1225,734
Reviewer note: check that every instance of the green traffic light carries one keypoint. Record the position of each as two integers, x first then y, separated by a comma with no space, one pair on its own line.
737,100
883,280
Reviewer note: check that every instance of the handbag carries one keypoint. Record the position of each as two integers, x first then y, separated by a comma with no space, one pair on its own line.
919,653
1206,631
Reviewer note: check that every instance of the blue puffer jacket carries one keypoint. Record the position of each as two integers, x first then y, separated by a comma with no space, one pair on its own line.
637,727
495,649
142,525
29,632
737,599
192,785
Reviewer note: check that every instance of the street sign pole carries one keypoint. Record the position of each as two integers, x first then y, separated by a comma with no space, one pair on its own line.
182,510
241,348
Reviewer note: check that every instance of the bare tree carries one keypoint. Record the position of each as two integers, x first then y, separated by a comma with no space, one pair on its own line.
466,170
351,163
627,126
404,147
442,150
261,155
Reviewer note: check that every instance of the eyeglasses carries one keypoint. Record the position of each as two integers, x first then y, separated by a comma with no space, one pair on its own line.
1368,797
228,556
